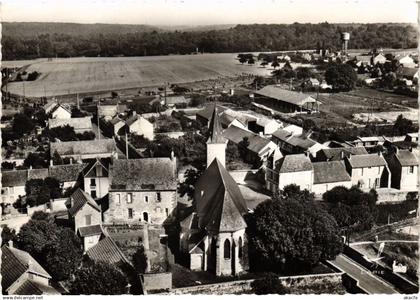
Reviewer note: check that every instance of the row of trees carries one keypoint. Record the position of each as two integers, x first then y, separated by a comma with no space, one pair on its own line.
22,43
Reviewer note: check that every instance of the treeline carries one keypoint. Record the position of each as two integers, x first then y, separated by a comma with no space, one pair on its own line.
271,37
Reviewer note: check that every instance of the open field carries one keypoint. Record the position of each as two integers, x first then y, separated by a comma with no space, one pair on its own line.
83,75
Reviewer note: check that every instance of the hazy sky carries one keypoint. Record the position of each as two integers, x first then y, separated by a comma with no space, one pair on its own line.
205,12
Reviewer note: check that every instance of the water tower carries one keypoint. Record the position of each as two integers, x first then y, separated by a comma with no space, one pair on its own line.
345,37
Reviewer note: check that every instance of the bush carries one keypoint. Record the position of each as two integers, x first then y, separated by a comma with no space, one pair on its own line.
270,284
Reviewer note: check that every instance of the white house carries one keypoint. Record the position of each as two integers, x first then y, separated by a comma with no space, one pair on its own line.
96,178
379,59
407,61
140,126
61,112
328,175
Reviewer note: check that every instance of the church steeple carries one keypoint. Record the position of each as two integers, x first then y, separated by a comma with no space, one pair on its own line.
216,144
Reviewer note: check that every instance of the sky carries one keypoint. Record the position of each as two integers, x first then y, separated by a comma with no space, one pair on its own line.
208,12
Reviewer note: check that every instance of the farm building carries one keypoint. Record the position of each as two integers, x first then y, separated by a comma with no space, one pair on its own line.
80,150
328,175
286,101
259,148
80,125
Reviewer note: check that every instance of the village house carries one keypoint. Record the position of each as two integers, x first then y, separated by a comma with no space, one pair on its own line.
379,59
370,141
80,125
21,274
213,236
86,216
328,175
138,125
295,144
259,148
363,60
80,150
290,169
409,73
368,170
403,165
142,190
333,154
412,137
96,178
264,126
175,100
67,175
57,110
108,110
406,61
286,101
13,185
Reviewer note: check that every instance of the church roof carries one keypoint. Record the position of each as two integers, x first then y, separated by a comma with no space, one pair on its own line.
220,204
215,128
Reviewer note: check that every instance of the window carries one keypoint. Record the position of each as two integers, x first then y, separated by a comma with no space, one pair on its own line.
377,182
118,199
92,182
88,220
93,194
146,199
90,239
145,217
129,198
130,213
167,212
411,170
240,247
158,197
226,249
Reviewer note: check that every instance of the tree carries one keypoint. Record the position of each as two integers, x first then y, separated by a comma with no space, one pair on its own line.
187,187
8,165
35,160
304,73
40,191
140,260
270,284
98,278
341,76
275,64
264,63
242,59
402,126
251,61
22,124
288,233
243,148
7,235
232,152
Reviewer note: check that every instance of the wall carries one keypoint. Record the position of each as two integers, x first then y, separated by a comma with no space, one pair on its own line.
321,188
79,219
61,113
58,204
157,281
11,194
367,176
216,151
143,127
240,176
303,179
196,262
118,212
101,188
244,286
90,241
391,195
409,180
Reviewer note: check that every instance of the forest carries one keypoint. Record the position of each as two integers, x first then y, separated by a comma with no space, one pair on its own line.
36,40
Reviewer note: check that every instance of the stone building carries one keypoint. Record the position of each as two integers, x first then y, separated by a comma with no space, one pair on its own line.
142,190
213,236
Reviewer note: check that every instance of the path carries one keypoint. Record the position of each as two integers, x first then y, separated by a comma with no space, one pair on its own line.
366,280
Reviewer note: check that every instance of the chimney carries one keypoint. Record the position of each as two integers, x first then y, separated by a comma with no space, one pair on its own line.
51,163
71,160
30,167
173,159
342,155
10,243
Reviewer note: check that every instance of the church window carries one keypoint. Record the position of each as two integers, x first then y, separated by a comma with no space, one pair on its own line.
226,249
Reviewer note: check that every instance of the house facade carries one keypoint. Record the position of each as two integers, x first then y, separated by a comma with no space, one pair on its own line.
142,190
403,165
368,171
60,112
96,178
328,175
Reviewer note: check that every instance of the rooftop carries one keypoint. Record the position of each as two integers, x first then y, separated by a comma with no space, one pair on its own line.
107,251
236,135
335,153
90,230
83,147
330,171
406,158
158,173
84,123
294,163
66,173
366,160
275,92
78,199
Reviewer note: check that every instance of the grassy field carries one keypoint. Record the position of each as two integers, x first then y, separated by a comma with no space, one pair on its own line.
83,75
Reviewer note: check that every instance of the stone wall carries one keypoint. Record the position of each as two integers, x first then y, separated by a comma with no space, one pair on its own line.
157,281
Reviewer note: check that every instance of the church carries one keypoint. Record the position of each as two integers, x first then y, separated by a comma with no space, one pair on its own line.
213,235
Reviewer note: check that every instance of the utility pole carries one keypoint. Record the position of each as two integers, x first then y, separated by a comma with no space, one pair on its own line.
126,144
77,99
418,117
97,115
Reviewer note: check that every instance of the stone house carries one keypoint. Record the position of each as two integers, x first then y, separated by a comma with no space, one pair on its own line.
290,169
403,165
21,274
96,178
328,175
368,171
142,190
86,215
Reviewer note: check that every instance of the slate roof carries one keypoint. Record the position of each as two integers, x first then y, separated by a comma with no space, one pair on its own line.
14,178
107,251
83,147
335,153
65,107
330,171
158,173
409,72
90,171
366,160
274,92
215,129
84,123
90,230
30,287
220,204
79,199
236,135
15,262
49,106
282,134
406,158
38,173
66,173
294,163
175,99
207,112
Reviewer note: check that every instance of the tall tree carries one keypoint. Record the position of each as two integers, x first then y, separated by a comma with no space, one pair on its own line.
341,76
